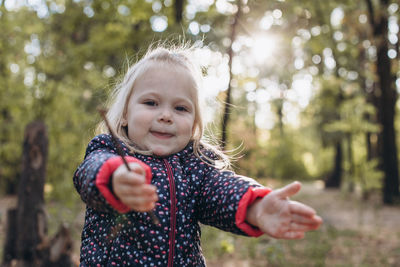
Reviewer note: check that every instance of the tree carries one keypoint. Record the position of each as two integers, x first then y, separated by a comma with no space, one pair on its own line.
15,111
334,179
228,101
72,55
386,96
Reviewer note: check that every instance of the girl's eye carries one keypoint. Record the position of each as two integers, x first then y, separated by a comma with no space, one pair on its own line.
150,103
181,108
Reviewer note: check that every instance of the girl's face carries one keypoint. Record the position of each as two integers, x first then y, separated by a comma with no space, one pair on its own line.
161,110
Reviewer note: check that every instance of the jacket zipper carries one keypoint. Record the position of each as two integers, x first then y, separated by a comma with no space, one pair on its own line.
173,213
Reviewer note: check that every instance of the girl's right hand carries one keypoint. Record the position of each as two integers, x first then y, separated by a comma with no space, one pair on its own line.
131,188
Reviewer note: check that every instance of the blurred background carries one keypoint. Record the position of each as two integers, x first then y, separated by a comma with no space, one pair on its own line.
301,90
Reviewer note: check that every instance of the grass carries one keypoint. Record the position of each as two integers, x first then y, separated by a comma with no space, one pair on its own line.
355,233
352,235
325,247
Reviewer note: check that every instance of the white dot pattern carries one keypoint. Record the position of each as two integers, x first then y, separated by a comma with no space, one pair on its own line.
202,194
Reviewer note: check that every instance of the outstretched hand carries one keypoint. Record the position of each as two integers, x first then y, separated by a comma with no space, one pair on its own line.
279,217
131,188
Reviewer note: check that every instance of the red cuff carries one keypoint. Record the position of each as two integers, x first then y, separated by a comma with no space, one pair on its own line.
104,175
248,198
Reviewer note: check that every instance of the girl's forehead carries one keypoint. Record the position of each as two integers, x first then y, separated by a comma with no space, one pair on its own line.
165,74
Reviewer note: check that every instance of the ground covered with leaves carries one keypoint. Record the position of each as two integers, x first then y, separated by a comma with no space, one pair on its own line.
355,232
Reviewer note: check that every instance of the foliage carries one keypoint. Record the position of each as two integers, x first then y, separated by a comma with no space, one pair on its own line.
284,157
368,176
59,68
59,62
353,119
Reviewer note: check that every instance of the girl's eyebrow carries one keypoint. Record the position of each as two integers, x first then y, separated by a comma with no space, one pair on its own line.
147,94
144,95
158,95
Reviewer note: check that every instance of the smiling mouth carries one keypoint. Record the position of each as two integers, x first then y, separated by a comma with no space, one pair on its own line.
161,135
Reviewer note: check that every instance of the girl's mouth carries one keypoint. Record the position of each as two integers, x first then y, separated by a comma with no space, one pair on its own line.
161,135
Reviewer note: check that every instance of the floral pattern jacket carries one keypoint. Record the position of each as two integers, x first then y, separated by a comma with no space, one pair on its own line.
190,192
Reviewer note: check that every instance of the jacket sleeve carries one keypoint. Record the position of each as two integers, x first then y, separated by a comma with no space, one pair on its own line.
223,200
92,179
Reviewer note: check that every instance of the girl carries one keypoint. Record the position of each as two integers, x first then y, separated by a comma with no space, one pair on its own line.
155,113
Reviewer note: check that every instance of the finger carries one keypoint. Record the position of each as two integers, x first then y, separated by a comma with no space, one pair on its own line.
133,179
312,224
145,207
138,190
136,168
301,209
139,202
302,227
289,190
304,219
293,235
126,177
317,221
149,189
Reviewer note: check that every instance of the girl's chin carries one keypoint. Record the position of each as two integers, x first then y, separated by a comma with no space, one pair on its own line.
161,151
165,150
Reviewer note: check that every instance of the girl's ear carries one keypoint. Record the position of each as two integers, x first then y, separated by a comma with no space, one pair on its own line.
124,122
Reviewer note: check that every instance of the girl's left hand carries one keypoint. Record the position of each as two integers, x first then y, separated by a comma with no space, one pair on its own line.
280,217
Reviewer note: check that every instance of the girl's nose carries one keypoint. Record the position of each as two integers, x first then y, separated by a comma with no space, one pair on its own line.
165,116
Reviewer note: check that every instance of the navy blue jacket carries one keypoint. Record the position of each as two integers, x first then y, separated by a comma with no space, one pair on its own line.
190,192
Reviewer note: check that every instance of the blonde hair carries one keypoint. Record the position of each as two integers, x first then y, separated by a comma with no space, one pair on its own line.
179,57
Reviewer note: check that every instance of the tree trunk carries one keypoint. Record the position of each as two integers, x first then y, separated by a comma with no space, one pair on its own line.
370,138
228,101
352,167
179,10
386,115
26,242
31,222
335,178
386,104
10,252
372,142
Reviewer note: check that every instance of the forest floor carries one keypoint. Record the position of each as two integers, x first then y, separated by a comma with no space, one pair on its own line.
355,232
